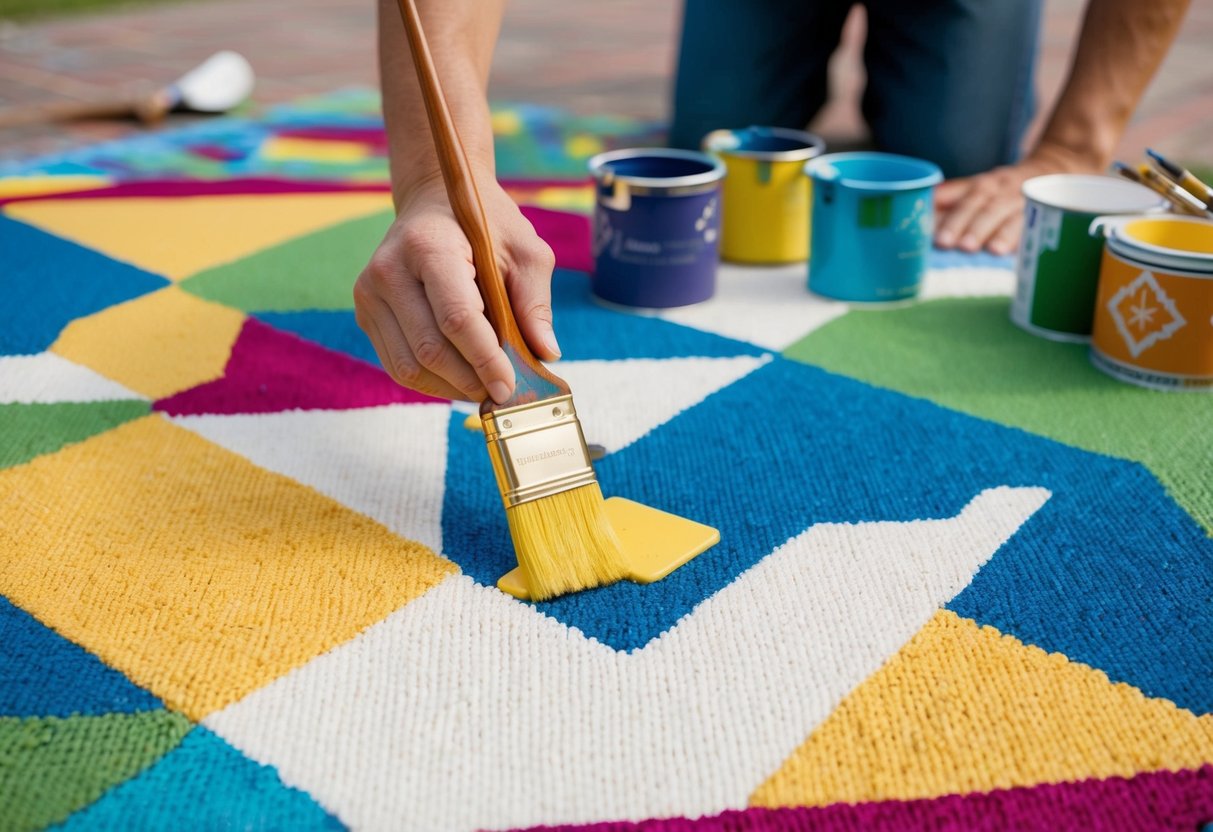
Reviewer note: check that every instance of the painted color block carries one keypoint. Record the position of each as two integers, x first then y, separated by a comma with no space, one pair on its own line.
205,784
44,674
270,370
385,462
197,574
46,378
963,708
157,344
179,237
507,704
316,271
585,330
1163,801
50,767
30,430
842,451
967,355
52,282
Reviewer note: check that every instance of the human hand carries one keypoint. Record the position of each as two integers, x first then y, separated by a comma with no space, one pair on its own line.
986,210
418,302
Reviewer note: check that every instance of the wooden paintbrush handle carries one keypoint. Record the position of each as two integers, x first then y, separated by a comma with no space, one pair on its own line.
147,108
66,111
532,380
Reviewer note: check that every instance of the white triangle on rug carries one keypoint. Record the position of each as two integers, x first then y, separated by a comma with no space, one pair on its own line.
467,709
772,307
47,378
388,462
620,401
765,305
968,282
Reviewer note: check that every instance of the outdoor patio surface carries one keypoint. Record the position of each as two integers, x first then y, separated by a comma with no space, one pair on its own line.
587,57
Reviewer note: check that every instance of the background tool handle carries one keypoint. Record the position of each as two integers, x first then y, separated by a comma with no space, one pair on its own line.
149,109
533,381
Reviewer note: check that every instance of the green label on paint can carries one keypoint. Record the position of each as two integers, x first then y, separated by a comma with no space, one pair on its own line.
876,211
1058,264
1058,273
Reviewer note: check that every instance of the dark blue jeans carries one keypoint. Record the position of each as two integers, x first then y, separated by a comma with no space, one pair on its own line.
948,80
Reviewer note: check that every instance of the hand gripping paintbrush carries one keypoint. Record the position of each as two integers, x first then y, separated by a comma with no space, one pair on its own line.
562,536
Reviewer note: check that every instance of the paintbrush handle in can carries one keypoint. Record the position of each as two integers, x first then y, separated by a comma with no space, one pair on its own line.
1182,177
1183,201
1197,188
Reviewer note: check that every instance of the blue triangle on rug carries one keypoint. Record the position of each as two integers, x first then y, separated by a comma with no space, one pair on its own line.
44,674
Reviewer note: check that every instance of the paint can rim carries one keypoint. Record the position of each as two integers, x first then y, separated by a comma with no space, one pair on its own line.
730,142
1180,261
653,185
823,168
1144,377
1057,190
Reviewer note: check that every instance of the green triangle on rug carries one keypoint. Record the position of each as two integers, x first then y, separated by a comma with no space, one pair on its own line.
964,353
31,430
51,766
315,271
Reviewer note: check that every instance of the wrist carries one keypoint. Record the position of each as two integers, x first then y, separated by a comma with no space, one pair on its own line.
422,186
1066,158
415,168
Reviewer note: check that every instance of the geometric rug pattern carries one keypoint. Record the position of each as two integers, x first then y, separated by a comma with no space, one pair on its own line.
965,580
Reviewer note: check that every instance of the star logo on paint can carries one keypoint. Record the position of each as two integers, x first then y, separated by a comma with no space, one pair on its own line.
1144,314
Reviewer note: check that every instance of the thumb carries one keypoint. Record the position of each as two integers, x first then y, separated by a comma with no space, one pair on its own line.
530,289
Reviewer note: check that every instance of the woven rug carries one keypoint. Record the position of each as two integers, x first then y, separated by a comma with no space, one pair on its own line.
965,581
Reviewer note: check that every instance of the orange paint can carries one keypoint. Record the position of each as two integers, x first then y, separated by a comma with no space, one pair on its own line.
1154,309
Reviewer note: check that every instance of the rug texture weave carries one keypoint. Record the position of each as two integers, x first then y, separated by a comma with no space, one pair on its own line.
965,581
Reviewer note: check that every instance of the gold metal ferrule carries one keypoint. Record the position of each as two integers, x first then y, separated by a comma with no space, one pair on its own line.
537,450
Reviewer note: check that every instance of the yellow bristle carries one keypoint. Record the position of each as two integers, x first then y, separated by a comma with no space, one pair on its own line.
565,543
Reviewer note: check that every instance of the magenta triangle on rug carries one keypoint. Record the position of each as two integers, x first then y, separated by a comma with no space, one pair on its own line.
270,371
1174,801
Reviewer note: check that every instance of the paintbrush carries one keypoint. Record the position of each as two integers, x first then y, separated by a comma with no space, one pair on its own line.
1183,177
1156,184
215,86
1183,201
1130,174
554,506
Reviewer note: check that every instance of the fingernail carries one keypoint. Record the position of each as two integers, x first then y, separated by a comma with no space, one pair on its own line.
969,243
549,341
944,239
499,390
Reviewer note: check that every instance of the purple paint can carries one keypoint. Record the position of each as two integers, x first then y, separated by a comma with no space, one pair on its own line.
656,226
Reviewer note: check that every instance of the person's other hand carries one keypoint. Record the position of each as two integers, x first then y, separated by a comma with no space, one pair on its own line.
986,210
418,303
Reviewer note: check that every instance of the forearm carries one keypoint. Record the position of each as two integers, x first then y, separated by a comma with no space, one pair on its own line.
1120,47
461,35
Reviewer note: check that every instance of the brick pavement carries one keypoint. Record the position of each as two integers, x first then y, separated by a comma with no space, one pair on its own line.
590,57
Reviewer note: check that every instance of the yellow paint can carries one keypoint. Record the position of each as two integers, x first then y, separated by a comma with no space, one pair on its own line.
765,210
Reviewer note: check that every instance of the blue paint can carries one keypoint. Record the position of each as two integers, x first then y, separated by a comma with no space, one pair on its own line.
873,219
656,226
